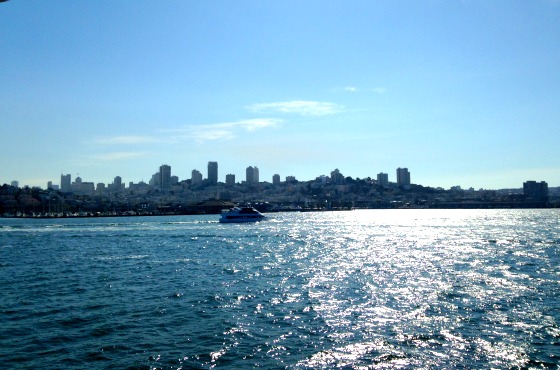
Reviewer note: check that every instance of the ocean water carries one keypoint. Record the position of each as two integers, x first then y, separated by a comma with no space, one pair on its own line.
375,289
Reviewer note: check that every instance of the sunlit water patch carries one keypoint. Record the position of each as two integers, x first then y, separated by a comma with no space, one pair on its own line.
357,289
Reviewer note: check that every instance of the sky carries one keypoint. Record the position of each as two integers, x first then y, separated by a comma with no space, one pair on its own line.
459,92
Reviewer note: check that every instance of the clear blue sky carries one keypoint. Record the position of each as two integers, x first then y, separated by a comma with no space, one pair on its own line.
460,92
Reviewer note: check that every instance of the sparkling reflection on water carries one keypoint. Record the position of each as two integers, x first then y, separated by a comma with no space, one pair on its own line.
358,289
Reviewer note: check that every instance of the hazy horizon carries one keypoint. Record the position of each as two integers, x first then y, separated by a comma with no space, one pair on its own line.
461,93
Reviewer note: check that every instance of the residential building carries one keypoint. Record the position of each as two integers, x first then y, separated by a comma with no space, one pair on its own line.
403,178
535,190
337,177
66,183
230,179
252,175
196,177
155,180
100,188
213,173
276,179
117,183
165,177
383,179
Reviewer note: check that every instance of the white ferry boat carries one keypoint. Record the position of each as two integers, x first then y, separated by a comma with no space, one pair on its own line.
241,214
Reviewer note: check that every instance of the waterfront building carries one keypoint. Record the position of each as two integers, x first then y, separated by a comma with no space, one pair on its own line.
213,173
535,190
383,179
66,183
196,177
403,178
276,179
230,179
165,177
252,175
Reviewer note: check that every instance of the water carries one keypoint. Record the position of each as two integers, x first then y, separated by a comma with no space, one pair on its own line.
387,289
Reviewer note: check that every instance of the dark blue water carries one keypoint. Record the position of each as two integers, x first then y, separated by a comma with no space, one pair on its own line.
388,289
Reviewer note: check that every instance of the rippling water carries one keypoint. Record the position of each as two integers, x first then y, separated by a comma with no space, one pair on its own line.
385,289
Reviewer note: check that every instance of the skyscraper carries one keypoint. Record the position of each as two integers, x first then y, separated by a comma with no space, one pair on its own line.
65,183
213,173
383,179
117,183
252,175
165,177
196,177
403,177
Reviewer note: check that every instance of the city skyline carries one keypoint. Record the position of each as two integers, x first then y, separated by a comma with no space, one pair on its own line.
462,93
163,179
401,177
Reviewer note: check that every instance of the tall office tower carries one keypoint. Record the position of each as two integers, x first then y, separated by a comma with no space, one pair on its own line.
535,190
383,179
196,177
117,183
276,179
66,183
230,179
213,173
165,177
403,177
252,175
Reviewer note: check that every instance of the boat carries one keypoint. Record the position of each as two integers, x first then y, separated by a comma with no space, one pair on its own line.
241,214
